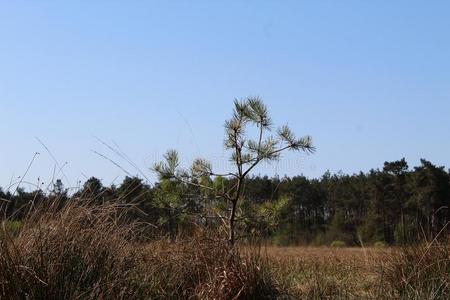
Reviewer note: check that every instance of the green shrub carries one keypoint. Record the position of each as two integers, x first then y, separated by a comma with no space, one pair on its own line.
379,244
338,244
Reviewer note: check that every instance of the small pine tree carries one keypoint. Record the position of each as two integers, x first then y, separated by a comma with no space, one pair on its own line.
246,154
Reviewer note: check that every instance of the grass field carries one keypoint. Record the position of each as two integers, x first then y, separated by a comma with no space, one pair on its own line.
325,272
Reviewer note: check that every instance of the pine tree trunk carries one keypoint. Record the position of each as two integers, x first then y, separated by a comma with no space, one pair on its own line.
232,238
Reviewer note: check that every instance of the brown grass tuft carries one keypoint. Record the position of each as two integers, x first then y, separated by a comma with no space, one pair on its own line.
79,251
419,272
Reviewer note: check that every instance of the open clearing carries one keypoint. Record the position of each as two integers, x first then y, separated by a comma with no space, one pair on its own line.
324,272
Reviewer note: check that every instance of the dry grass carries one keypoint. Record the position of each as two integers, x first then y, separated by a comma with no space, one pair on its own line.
327,273
80,251
83,251
419,272
203,269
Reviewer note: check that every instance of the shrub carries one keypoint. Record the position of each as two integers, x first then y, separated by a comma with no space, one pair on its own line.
338,244
379,244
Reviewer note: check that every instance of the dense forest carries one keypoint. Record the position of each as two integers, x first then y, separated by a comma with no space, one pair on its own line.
395,205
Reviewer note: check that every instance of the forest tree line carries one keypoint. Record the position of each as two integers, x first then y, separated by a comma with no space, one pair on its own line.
393,205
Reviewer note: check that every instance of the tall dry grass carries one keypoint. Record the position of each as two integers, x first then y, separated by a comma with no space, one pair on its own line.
73,252
204,269
418,272
85,251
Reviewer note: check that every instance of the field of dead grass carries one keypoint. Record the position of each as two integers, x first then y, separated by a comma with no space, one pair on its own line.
328,273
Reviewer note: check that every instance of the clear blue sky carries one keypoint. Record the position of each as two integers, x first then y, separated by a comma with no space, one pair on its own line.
369,80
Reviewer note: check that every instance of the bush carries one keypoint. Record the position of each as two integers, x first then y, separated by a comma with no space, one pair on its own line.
328,237
379,244
338,244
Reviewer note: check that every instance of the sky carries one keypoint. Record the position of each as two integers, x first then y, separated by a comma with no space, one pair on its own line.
368,80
